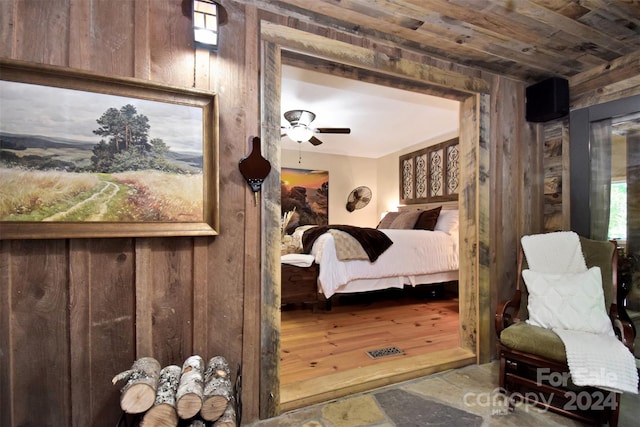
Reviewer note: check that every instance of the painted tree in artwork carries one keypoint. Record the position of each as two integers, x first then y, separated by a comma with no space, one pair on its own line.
125,143
125,128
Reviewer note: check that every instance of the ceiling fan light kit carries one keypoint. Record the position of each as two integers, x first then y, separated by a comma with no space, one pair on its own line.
300,133
300,129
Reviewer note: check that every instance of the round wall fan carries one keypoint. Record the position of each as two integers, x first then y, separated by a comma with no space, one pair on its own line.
358,198
300,129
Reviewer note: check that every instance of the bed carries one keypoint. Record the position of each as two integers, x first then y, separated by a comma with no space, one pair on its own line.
416,257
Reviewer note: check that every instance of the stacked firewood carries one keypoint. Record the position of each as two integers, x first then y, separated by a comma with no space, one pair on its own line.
192,392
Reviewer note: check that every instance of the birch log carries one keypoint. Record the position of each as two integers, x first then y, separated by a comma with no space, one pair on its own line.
163,413
228,418
189,396
139,393
217,388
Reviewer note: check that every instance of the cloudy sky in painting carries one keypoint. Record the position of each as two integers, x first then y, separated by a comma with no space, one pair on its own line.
63,113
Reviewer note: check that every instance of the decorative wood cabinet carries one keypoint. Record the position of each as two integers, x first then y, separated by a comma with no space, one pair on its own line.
430,174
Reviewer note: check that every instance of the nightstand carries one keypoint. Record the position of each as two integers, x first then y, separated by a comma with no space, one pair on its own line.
300,284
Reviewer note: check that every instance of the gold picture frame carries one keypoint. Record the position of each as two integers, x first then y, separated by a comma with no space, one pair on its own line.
151,165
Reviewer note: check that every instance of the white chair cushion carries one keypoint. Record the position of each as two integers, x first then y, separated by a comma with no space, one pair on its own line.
571,301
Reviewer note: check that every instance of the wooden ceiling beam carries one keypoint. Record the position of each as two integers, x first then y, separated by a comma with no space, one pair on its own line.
338,51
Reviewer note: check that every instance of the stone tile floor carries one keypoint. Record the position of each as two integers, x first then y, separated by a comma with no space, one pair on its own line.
461,397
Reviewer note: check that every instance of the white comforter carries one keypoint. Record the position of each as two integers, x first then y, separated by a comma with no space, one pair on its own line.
413,255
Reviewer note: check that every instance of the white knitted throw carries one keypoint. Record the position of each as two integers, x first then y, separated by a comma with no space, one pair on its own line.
599,360
558,252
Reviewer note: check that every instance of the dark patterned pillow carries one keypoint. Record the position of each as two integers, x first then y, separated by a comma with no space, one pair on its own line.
428,219
406,220
386,220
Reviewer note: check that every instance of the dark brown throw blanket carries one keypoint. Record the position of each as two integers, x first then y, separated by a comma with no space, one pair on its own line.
373,241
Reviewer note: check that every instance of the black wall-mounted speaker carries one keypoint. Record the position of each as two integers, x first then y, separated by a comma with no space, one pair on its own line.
547,100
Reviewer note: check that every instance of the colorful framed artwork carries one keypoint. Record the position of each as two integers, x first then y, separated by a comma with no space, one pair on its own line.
305,195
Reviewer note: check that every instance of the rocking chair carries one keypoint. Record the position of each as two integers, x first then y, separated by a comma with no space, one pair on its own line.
525,350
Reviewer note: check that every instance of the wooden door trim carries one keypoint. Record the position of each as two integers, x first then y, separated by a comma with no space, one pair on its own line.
474,214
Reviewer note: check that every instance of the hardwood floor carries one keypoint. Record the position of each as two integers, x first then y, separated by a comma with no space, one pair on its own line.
317,344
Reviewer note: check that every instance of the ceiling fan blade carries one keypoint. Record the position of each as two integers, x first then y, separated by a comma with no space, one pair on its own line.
315,141
333,130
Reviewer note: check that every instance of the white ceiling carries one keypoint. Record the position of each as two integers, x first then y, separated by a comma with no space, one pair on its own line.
383,120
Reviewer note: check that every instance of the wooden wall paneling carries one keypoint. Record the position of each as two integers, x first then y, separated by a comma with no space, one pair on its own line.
227,251
171,61
7,29
484,311
506,106
102,37
142,40
253,221
80,37
526,184
201,305
202,72
41,29
553,176
39,327
614,80
501,168
619,90
102,330
595,78
530,187
271,273
80,292
467,288
144,298
6,376
171,290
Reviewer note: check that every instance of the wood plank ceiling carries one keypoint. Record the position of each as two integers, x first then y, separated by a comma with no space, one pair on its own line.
526,39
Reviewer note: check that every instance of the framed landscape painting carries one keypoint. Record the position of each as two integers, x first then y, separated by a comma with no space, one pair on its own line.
83,155
305,193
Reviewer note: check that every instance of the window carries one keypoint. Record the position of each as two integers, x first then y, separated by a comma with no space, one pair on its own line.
618,211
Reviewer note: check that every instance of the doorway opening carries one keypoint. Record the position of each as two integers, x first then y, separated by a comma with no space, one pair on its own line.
421,323
473,285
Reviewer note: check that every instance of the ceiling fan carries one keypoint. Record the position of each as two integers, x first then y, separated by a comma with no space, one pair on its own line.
300,129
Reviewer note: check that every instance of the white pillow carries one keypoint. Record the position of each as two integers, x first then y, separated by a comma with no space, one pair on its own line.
572,301
447,221
296,237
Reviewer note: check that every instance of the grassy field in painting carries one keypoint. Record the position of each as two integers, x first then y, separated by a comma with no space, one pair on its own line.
27,195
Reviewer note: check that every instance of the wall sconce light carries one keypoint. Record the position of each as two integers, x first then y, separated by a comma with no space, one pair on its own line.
206,20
